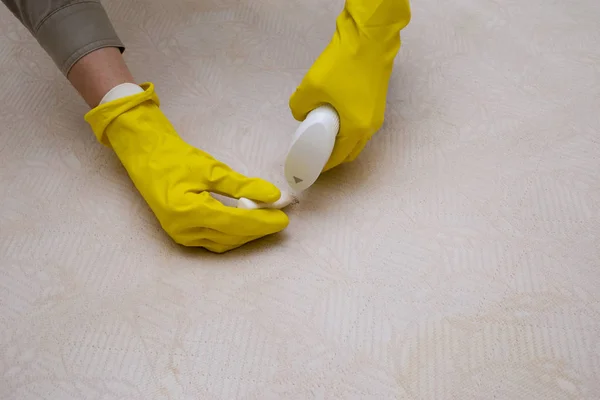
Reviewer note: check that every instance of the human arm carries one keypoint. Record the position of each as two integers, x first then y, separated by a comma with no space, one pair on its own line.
173,177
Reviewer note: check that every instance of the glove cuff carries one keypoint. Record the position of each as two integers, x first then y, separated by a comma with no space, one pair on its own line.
363,42
101,116
383,16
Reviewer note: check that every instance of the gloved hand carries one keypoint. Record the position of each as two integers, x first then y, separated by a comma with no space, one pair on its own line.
175,178
353,72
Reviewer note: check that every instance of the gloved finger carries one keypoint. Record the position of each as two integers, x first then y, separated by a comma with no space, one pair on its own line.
343,146
204,243
231,240
357,150
220,248
301,103
257,189
211,213
221,179
212,246
195,236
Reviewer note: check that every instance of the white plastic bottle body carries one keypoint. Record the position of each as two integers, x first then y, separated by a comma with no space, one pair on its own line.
311,147
310,150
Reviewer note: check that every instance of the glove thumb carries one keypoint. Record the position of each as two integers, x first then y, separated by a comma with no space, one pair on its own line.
256,189
233,184
303,100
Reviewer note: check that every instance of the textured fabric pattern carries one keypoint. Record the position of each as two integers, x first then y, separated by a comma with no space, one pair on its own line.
457,258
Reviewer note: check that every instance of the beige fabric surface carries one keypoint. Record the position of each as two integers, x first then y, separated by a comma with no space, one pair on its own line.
457,258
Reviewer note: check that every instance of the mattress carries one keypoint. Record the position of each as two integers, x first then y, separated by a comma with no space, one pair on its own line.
457,258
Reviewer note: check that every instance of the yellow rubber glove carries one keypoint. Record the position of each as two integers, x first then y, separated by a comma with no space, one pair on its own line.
175,178
353,72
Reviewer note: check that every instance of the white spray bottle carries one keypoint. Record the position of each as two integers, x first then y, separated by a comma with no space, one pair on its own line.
311,147
310,150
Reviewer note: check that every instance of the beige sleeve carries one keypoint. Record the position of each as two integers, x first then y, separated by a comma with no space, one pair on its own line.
66,29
